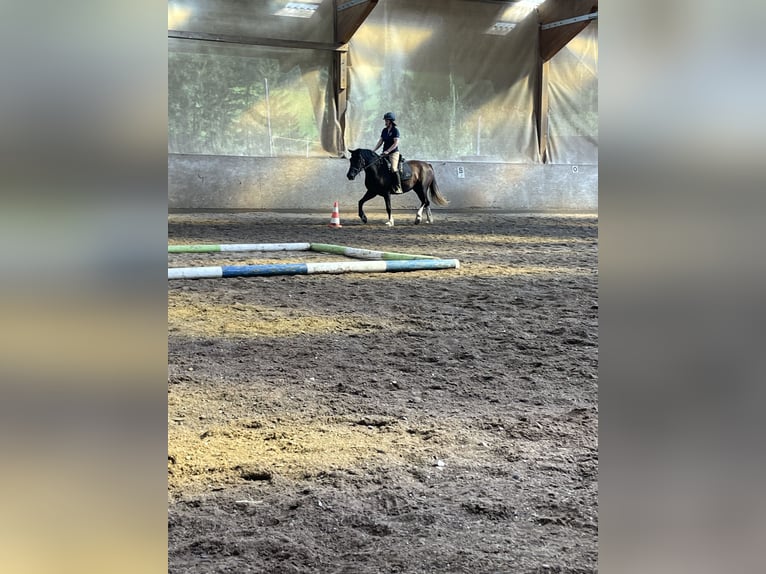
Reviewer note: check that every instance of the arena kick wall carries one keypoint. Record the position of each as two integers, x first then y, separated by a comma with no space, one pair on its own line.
228,182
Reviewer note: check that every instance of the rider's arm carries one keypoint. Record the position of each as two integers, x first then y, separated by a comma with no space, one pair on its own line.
393,146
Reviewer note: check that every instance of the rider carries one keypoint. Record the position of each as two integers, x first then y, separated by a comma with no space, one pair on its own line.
389,139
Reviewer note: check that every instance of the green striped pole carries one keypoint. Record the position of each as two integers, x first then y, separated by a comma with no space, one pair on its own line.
357,253
239,247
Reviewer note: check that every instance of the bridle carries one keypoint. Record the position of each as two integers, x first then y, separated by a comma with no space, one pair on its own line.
361,169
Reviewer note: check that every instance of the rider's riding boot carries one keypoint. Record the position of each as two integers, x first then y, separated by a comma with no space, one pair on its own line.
398,188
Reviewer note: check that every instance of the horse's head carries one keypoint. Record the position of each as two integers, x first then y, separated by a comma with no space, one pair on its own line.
357,163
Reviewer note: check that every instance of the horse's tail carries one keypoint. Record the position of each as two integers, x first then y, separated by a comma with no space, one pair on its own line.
434,189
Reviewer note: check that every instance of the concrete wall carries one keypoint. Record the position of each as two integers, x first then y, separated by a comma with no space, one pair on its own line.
225,182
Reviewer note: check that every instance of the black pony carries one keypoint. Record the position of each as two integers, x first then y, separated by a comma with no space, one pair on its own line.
379,180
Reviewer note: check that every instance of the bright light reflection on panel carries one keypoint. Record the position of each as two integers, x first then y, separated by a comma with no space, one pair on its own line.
287,104
530,4
407,39
178,16
581,45
367,41
517,12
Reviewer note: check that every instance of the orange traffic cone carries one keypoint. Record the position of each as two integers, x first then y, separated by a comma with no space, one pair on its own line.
335,219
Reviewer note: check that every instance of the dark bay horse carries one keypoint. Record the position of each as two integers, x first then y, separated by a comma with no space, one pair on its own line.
379,180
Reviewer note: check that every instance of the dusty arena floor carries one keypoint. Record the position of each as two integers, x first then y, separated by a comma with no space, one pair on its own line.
415,422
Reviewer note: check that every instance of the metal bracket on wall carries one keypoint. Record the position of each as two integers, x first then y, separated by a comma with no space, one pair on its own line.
574,20
350,4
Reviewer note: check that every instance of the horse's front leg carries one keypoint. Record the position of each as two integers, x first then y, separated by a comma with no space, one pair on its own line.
423,203
367,196
387,199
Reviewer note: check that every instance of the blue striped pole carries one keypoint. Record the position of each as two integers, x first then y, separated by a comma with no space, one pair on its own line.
311,268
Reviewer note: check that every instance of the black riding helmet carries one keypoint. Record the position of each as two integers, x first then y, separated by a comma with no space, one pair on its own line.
389,116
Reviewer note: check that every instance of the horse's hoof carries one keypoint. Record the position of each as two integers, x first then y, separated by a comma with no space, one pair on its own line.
390,223
417,220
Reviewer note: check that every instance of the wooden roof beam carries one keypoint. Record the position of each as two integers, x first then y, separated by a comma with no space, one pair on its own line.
552,39
349,15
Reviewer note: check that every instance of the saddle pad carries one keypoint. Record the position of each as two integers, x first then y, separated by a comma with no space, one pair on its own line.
405,170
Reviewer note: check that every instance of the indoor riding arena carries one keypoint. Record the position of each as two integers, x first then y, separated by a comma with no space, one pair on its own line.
403,395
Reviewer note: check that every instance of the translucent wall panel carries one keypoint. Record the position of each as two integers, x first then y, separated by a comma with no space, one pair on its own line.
226,99
460,89
275,19
573,100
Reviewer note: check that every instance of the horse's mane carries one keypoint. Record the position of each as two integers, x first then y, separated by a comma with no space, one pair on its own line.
368,155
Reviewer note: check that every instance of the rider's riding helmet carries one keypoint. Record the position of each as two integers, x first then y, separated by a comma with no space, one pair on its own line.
389,116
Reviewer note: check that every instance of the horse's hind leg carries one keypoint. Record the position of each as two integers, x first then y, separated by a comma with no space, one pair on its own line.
387,199
429,219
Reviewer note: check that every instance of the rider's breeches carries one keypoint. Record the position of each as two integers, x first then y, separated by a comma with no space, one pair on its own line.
394,161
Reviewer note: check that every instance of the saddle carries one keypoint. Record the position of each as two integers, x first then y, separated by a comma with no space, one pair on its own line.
405,171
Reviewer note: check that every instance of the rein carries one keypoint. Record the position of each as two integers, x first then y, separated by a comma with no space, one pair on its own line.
380,157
